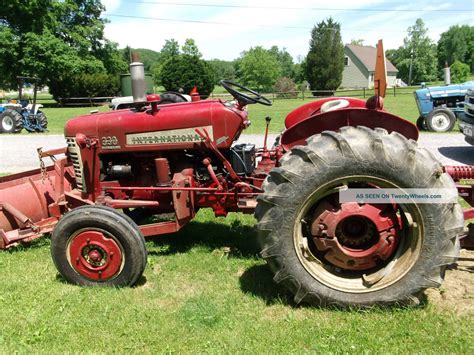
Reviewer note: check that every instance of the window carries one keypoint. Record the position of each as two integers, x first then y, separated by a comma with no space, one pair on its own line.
346,61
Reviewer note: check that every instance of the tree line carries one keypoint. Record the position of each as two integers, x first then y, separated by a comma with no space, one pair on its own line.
62,42
455,48
321,69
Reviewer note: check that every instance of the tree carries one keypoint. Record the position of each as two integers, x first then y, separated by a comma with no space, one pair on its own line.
223,70
28,16
299,68
184,71
393,55
258,68
287,67
417,51
357,42
54,39
457,43
190,48
459,72
148,57
64,69
325,59
9,56
169,50
110,56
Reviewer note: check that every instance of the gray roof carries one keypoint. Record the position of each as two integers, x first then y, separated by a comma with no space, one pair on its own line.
367,56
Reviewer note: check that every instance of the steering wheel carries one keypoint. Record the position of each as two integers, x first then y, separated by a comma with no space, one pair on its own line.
244,99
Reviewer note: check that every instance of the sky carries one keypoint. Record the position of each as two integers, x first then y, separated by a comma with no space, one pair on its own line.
223,29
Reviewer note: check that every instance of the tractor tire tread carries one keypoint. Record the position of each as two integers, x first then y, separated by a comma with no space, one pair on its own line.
127,234
17,119
357,145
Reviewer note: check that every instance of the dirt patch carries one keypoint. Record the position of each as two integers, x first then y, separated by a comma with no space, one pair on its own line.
457,291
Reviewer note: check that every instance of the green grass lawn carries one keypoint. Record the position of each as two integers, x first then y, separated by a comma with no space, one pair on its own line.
204,290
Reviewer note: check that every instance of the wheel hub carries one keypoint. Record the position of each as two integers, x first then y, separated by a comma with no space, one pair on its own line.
355,232
7,123
441,121
95,256
353,236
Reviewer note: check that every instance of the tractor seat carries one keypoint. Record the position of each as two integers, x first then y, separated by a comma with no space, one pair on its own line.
334,105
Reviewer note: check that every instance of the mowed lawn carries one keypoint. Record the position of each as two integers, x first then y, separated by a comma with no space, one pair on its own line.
403,105
204,290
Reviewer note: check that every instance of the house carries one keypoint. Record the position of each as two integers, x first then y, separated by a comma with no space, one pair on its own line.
359,67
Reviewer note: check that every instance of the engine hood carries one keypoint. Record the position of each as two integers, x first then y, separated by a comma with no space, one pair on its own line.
222,121
444,91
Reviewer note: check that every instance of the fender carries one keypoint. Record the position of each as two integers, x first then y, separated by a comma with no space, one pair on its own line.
301,129
37,107
313,108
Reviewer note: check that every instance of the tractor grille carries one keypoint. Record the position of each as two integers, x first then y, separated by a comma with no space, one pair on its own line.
75,155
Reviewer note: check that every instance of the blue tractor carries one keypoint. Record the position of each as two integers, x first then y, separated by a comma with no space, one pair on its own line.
439,106
18,114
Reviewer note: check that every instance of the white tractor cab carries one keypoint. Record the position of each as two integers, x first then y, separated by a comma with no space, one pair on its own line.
169,97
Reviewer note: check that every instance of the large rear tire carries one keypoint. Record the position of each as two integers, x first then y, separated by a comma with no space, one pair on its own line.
171,98
306,186
97,246
11,121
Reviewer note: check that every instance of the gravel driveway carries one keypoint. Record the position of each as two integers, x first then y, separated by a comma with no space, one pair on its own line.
18,152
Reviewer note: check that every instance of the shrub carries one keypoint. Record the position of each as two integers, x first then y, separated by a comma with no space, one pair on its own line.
184,72
459,72
85,85
285,88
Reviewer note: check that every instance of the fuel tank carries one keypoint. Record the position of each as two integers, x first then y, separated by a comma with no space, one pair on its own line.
171,126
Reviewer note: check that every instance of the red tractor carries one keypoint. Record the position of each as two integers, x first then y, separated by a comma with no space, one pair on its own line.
160,160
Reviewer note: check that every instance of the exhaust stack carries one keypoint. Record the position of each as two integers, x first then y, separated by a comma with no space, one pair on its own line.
137,73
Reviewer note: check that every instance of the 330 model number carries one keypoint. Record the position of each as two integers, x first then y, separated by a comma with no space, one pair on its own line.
110,142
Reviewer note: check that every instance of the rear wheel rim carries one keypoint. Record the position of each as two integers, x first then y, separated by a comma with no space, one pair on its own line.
387,273
95,254
7,123
440,122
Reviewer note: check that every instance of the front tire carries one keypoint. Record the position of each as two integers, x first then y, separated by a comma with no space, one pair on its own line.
97,246
11,121
303,193
421,124
440,120
42,120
